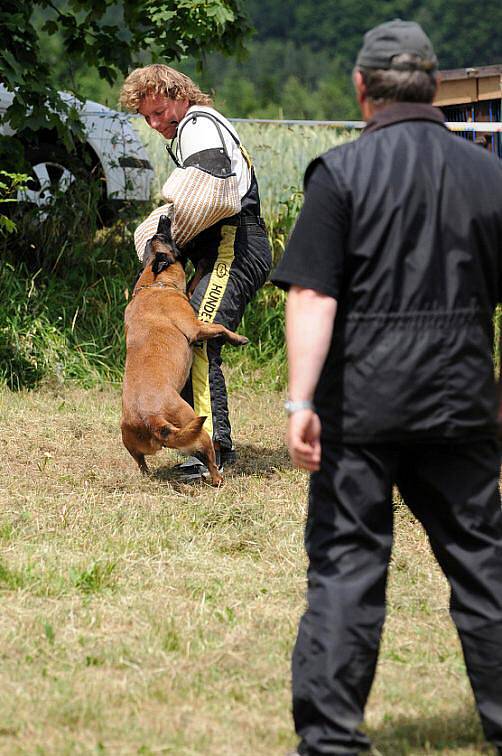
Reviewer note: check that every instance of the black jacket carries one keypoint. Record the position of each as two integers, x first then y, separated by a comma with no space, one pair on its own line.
411,355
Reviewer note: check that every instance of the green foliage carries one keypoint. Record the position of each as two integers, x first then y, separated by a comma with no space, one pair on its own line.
10,184
263,360
23,70
170,637
300,62
463,33
281,222
298,66
10,580
49,633
63,302
64,321
30,344
279,79
43,238
95,578
105,36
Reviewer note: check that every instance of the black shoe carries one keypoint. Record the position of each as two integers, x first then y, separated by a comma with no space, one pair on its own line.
191,470
194,469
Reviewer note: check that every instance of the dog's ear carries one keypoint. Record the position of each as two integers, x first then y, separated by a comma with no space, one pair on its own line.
148,254
164,229
161,262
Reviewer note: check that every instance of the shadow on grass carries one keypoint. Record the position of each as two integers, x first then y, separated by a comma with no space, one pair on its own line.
262,461
409,736
251,461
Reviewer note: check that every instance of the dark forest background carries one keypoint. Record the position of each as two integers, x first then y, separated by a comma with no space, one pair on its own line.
300,58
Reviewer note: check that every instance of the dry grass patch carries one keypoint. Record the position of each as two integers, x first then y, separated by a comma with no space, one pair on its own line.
141,616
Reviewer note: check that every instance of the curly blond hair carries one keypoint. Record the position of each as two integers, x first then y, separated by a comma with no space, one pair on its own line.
159,79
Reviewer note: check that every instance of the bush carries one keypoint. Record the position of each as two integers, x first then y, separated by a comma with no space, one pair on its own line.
52,332
10,183
31,346
263,360
63,292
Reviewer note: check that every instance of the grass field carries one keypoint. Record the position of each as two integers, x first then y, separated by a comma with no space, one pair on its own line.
141,616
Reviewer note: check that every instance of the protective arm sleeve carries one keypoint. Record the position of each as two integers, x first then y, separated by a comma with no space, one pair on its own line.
195,200
198,195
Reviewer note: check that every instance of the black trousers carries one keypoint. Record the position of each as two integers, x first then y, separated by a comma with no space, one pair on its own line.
241,266
452,488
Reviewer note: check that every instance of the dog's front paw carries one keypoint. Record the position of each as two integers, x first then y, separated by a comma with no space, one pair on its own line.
217,480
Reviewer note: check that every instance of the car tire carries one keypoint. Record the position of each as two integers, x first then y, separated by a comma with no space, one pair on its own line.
54,170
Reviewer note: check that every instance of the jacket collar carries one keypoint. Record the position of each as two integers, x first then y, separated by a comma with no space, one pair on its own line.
403,111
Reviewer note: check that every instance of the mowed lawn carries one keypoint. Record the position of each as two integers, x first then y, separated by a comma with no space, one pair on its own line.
142,616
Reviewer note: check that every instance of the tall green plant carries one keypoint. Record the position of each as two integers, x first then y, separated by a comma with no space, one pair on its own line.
52,237
62,295
263,360
280,223
10,184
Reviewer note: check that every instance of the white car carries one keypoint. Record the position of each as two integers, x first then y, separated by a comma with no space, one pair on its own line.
112,154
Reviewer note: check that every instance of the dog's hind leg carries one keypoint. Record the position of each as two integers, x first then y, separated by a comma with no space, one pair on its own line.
130,443
139,458
213,330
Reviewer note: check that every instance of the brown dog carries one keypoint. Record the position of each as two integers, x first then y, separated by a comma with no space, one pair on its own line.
160,327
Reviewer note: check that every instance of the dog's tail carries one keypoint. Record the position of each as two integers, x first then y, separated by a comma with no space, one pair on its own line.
177,438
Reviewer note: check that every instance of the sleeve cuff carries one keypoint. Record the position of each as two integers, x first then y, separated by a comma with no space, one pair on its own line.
285,281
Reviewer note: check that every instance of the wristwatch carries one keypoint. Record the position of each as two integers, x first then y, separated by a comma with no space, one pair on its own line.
292,407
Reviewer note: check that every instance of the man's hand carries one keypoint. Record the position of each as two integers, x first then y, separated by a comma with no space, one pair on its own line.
304,440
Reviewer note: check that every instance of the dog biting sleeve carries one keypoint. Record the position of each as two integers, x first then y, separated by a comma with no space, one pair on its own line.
195,200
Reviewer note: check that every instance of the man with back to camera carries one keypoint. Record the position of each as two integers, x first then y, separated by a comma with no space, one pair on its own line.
232,255
400,238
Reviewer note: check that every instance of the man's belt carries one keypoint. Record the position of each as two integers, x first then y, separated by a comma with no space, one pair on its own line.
247,219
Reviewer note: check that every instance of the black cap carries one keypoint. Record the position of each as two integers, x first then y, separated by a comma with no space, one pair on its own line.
395,37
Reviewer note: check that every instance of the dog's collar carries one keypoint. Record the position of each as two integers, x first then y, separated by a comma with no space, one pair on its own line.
156,284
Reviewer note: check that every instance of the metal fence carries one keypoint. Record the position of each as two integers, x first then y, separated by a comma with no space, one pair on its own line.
462,121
